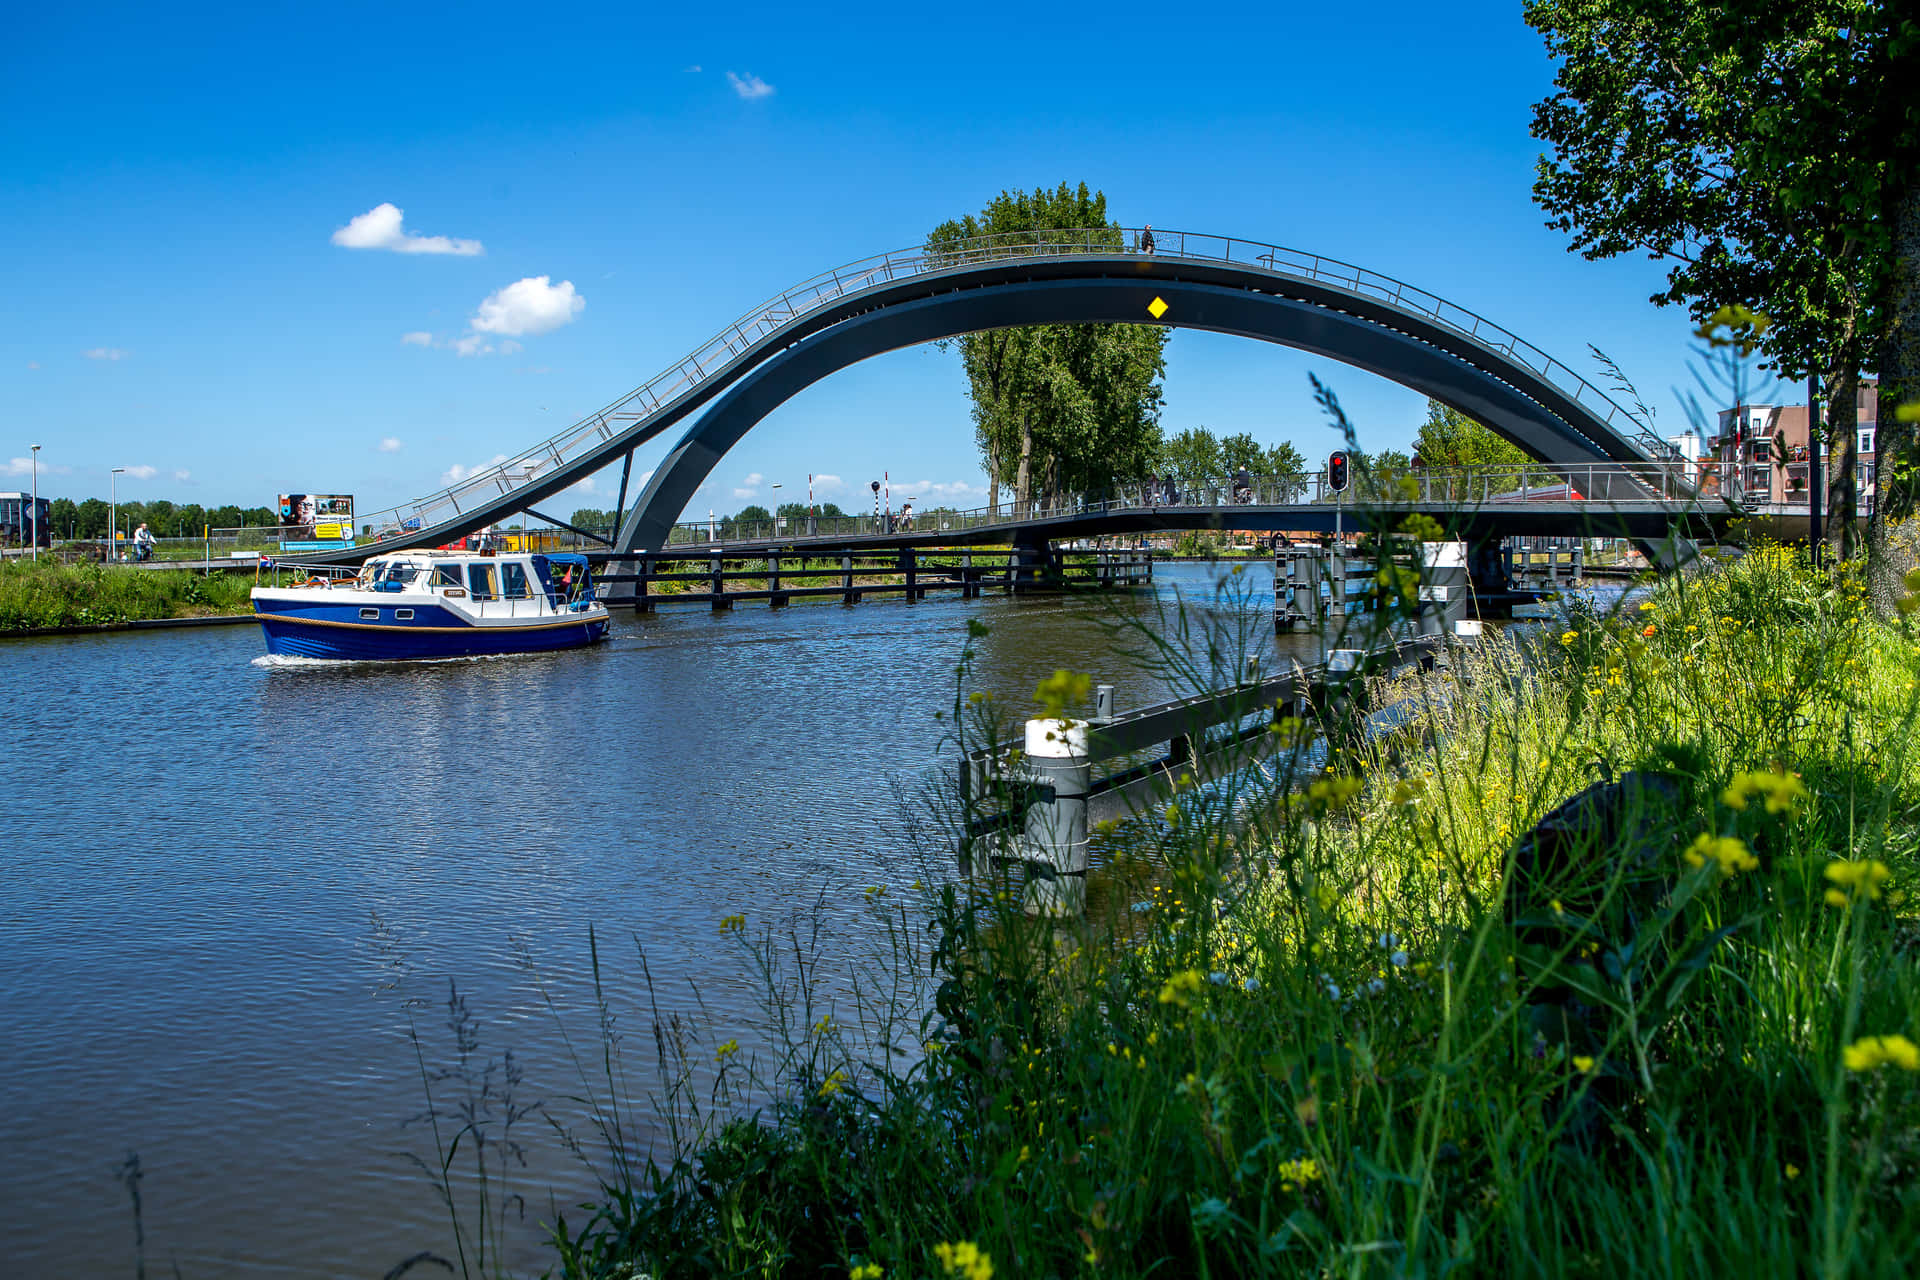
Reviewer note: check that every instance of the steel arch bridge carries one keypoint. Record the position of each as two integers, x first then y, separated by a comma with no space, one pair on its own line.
919,295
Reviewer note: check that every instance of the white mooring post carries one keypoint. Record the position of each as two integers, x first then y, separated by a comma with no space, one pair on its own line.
1056,824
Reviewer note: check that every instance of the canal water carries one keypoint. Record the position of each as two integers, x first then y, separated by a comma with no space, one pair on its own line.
230,882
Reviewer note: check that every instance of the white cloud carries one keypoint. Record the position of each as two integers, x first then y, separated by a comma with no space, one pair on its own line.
456,473
529,306
183,476
953,493
379,228
693,69
472,345
105,353
418,338
828,484
142,472
24,467
391,444
750,87
754,481
746,493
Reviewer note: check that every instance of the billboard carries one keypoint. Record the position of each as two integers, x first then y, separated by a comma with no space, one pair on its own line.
315,521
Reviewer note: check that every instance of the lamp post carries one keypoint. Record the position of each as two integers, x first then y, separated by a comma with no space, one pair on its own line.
113,517
35,508
778,520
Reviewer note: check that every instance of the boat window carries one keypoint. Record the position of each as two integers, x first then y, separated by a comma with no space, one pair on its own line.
513,580
400,573
371,615
446,575
404,615
480,581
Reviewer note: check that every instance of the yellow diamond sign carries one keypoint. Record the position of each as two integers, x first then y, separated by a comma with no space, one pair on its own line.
1157,308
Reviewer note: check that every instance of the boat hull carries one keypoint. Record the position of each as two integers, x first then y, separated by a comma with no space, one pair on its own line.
375,642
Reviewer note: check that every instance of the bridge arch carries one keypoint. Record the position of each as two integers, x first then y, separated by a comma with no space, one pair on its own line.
1427,356
918,295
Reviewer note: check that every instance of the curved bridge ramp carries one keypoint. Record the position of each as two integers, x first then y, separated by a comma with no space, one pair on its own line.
917,295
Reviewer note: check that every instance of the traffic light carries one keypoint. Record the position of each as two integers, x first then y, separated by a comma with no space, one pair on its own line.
1337,471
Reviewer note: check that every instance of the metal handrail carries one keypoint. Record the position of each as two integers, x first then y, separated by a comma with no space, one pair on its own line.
736,341
1592,482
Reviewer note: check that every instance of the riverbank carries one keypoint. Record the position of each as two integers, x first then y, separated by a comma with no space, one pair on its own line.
47,598
1369,1028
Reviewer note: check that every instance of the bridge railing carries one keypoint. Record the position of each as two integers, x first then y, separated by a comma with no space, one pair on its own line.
1418,486
736,340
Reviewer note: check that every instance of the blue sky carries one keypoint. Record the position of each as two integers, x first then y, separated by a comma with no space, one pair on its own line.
589,194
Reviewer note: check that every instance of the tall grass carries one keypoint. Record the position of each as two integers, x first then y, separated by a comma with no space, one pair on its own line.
44,594
1366,1026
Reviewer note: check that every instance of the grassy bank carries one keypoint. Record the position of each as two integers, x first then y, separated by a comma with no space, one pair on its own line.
1359,1034
44,594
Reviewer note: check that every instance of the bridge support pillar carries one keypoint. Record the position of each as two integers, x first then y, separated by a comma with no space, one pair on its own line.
642,597
720,601
778,598
1034,567
847,594
908,565
969,584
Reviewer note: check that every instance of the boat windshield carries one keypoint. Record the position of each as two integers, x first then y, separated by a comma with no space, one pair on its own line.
446,574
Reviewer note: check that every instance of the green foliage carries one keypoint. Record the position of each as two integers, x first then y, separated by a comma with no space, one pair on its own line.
752,512
44,594
1241,452
1283,460
1059,408
1308,1030
1771,152
1449,438
1191,457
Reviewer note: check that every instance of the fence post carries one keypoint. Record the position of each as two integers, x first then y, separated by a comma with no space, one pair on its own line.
847,594
719,586
1056,821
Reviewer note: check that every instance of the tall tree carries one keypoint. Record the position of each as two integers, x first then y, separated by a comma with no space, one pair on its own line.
1769,151
1192,457
1284,459
1449,438
1241,452
1059,407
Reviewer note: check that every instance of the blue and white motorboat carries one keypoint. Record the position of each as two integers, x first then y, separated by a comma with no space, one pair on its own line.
409,605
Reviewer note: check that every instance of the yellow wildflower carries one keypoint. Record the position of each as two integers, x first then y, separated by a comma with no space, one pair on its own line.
1568,637
1583,1064
866,1271
1855,879
833,1084
1180,987
1295,1173
1784,792
1793,1171
1648,606
1334,792
1727,851
1870,1053
963,1258
733,924
726,1051
1061,690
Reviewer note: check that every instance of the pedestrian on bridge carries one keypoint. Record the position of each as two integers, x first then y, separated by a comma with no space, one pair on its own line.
1146,239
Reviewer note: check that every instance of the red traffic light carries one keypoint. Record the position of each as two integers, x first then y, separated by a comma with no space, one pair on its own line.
1337,472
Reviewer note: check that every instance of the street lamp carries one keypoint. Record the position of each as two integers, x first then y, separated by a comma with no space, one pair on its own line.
113,516
36,502
778,519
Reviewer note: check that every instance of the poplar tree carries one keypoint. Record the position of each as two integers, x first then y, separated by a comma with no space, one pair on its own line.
1058,408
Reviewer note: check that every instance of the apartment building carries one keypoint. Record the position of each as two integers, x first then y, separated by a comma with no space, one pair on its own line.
1759,452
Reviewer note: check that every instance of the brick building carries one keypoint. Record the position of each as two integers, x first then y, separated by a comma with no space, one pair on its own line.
1758,452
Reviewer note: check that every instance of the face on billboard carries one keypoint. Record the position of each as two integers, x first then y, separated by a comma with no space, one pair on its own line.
322,516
